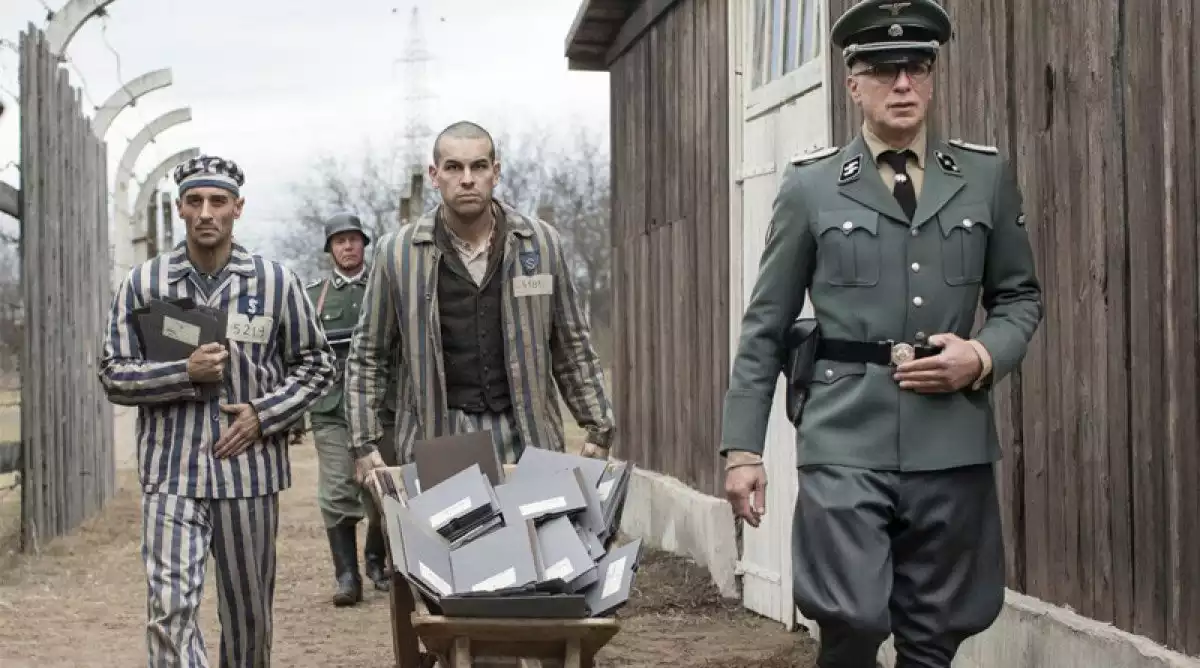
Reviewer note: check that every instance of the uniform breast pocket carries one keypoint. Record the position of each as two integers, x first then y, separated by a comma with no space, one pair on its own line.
965,232
849,248
331,315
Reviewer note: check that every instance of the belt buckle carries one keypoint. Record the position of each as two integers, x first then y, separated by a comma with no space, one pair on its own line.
902,352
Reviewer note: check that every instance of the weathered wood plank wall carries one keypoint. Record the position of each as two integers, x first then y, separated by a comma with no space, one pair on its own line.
670,175
68,468
1095,105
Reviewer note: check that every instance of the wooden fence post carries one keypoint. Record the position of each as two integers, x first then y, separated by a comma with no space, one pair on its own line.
67,460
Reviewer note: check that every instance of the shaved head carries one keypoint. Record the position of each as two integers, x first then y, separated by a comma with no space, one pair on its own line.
463,130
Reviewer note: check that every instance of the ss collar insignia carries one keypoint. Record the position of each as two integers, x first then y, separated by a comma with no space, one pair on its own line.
851,169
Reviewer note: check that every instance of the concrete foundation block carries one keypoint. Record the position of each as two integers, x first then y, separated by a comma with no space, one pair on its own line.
669,515
1031,633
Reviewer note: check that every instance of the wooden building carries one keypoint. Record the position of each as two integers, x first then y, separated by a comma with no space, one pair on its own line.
670,194
1094,104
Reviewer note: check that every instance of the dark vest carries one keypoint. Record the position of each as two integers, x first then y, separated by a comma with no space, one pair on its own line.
472,333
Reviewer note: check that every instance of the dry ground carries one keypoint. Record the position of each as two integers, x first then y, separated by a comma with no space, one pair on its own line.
81,602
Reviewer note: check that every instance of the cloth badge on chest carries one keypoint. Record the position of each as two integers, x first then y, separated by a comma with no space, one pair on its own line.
250,305
530,261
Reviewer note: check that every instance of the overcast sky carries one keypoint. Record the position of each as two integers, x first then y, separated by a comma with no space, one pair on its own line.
275,84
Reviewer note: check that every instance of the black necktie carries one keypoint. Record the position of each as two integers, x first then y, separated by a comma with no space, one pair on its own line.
903,189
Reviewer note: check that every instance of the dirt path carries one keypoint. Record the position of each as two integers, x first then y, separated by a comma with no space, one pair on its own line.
82,603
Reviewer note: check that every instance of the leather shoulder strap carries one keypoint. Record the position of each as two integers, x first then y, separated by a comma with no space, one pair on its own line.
321,299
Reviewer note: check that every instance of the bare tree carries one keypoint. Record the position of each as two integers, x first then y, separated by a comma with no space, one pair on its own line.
565,181
577,197
371,188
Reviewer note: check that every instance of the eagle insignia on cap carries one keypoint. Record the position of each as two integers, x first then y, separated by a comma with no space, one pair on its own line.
895,7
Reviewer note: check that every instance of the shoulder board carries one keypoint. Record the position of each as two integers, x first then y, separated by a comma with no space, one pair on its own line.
813,156
978,148
313,284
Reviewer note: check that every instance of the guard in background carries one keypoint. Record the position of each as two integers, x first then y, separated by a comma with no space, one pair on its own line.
897,237
211,469
342,501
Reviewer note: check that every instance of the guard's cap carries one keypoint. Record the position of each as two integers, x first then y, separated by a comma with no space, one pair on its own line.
344,222
891,31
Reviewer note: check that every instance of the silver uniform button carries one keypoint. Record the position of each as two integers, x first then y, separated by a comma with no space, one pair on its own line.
917,301
847,226
829,373
920,336
916,266
967,223
915,231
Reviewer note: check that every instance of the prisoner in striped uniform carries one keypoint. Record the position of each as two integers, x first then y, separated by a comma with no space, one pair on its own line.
211,469
478,303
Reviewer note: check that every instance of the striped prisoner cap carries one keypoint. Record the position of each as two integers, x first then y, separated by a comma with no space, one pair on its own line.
210,171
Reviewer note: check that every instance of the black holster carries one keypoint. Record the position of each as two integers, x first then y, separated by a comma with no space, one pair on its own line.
802,340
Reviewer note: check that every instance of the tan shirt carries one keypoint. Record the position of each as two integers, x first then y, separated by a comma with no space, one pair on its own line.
916,167
474,257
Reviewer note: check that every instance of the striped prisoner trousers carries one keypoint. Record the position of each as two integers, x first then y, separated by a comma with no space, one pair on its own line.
505,437
177,535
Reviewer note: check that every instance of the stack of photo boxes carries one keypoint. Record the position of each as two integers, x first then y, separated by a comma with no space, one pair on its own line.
537,542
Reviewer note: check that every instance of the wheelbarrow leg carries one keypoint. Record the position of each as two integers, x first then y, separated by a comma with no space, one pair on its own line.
460,655
404,637
574,658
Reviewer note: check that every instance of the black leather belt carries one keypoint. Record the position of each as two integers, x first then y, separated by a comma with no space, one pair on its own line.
885,353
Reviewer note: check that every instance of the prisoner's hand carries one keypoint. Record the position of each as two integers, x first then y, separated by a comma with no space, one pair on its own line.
364,466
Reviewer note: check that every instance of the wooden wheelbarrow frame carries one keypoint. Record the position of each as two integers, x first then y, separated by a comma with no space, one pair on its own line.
419,636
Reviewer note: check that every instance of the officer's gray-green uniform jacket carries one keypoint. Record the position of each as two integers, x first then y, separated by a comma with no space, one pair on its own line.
837,231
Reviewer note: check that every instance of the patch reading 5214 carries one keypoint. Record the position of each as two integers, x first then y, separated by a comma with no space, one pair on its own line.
242,329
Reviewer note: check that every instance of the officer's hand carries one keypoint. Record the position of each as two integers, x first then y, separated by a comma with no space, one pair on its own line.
957,366
746,489
206,364
365,465
594,451
241,434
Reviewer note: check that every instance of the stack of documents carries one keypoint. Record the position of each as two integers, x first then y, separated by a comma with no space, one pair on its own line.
537,542
170,330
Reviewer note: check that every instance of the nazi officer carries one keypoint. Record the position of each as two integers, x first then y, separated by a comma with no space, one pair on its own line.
343,503
212,427
897,237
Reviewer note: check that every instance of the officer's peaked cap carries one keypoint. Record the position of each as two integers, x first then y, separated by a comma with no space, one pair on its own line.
344,222
891,30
